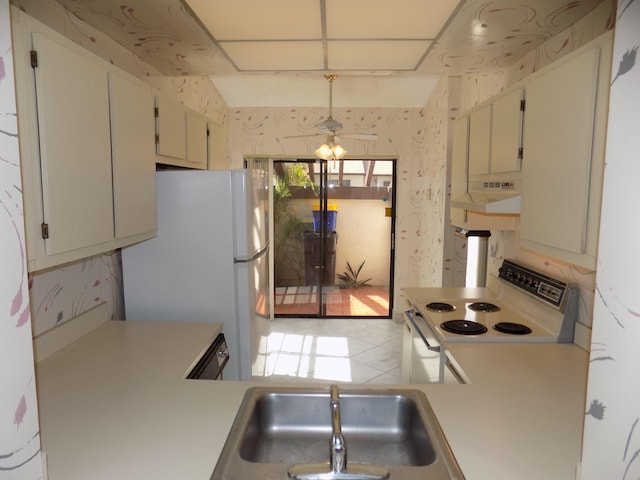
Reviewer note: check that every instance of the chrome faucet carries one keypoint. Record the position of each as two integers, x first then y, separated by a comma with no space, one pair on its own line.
337,456
338,446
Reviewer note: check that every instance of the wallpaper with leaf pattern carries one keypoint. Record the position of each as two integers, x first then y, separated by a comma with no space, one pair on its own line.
612,418
19,430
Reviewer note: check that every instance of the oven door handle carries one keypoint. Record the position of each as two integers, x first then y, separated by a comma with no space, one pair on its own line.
433,346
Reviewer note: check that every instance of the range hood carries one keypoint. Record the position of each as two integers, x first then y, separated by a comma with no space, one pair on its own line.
491,197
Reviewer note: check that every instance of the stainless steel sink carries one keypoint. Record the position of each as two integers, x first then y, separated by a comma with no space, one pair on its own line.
277,428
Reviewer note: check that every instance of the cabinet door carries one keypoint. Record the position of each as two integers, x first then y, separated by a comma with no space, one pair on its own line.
558,137
197,144
480,141
506,133
171,129
133,156
217,146
75,152
459,157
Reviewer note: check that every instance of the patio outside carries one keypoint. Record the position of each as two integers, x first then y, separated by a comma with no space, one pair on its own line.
356,273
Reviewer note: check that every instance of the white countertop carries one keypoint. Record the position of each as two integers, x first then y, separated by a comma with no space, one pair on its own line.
115,404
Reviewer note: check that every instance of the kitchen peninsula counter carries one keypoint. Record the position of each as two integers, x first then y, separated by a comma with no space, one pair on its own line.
115,404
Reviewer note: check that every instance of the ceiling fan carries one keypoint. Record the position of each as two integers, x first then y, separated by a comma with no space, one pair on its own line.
330,127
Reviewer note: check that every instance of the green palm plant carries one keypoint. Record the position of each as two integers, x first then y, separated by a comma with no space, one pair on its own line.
288,227
349,277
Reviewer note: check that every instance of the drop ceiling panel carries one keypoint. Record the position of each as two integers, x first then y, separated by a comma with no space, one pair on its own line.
284,56
260,20
383,19
375,55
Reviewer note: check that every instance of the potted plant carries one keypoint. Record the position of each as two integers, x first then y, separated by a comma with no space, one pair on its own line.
349,277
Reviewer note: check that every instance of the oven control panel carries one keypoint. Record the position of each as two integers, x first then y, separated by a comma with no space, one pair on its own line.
542,286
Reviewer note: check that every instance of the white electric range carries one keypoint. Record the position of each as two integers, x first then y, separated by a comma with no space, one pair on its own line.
519,305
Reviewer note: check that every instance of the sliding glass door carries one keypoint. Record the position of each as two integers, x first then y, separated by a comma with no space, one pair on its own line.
333,238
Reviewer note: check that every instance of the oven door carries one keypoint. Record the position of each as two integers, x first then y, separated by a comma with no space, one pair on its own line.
425,357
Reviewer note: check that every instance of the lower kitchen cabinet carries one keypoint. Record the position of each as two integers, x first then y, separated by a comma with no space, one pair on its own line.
564,142
88,181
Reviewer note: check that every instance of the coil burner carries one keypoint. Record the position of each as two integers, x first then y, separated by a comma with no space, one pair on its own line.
441,307
512,328
463,327
484,307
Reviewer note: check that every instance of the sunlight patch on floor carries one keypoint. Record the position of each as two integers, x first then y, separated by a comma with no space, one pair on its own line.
293,354
347,351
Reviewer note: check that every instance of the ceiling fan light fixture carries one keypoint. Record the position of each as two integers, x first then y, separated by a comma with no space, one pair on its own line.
339,152
330,152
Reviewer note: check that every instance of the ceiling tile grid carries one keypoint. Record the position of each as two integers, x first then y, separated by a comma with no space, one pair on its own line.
433,37
349,35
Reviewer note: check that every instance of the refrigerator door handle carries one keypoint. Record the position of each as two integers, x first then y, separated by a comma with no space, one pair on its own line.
254,257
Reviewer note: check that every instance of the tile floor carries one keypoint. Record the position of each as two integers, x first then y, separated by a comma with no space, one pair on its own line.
334,351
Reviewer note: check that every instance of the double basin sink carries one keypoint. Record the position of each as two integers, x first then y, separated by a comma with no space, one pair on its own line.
292,433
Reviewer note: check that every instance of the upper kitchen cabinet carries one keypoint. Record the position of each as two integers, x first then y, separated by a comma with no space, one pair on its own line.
459,159
71,189
495,135
133,156
197,141
506,132
480,141
171,129
181,135
461,217
73,111
217,146
564,143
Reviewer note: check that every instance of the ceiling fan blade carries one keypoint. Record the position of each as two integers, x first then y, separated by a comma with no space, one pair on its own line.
309,135
360,136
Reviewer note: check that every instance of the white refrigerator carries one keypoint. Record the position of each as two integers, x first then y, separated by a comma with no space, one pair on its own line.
208,262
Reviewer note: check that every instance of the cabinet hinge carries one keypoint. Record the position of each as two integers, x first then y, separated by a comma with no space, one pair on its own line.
45,230
157,139
155,111
34,58
520,153
523,103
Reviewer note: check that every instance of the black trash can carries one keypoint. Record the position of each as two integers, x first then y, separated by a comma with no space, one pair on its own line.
313,258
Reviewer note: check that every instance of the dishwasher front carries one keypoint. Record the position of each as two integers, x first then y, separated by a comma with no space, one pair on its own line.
212,363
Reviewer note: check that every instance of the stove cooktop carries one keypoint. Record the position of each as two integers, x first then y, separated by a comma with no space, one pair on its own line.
494,321
520,305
